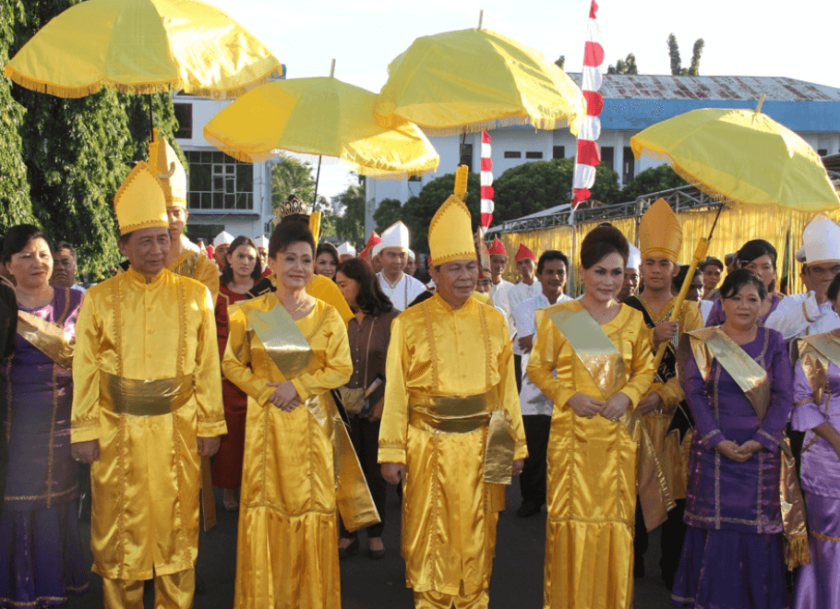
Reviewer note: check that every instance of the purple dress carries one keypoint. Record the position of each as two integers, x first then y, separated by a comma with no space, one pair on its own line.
733,555
41,558
818,584
717,316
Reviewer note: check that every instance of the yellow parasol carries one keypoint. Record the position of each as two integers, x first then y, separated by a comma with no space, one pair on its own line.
322,116
741,157
142,47
476,79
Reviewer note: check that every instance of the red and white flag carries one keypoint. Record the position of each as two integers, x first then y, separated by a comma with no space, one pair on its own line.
487,192
588,152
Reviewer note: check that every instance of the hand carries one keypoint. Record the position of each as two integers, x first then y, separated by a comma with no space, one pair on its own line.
666,331
376,411
749,448
650,403
207,447
585,406
394,473
615,407
731,451
518,465
85,452
526,343
285,396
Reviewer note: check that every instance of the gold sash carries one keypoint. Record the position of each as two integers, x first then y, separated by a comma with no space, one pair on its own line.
464,414
709,344
48,338
138,398
291,353
815,353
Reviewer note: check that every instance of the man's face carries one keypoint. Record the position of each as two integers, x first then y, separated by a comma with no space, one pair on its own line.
484,284
695,291
711,277
178,216
658,273
394,260
456,280
220,255
410,266
526,268
630,285
497,265
821,275
553,277
146,250
263,252
64,269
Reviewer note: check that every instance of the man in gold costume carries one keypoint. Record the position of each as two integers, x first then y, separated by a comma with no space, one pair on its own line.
147,405
666,416
451,428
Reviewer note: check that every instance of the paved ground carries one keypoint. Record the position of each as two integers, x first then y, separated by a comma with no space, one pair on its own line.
366,584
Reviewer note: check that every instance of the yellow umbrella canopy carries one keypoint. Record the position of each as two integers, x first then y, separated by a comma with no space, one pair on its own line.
322,116
142,46
742,156
476,79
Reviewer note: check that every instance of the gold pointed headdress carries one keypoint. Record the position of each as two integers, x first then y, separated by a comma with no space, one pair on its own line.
173,177
450,232
660,233
140,202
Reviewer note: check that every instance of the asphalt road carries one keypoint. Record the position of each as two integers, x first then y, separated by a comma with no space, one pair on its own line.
367,584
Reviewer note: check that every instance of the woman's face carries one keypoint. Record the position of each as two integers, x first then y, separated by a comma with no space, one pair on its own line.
603,280
293,267
743,308
32,267
325,264
242,260
349,287
763,267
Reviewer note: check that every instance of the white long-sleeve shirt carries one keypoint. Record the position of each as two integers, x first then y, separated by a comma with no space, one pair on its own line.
800,315
403,292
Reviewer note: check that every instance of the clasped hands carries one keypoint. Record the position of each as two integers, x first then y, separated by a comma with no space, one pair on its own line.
738,453
285,396
612,409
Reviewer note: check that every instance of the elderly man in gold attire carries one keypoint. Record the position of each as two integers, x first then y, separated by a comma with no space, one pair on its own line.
451,428
147,404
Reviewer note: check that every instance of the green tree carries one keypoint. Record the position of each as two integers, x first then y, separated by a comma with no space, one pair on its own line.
163,110
15,206
387,213
674,54
561,62
624,66
694,70
676,60
419,210
291,177
650,181
350,222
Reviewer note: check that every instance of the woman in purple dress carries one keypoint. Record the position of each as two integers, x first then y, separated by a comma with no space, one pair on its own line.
758,256
816,395
738,385
41,558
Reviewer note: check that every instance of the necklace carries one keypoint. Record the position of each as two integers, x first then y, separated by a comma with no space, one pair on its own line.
299,307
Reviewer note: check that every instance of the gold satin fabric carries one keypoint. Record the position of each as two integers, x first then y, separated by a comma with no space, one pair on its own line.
48,338
591,467
144,398
145,484
287,549
175,591
324,288
449,512
196,265
815,353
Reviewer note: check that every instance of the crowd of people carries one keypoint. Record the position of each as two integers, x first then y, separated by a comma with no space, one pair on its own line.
302,378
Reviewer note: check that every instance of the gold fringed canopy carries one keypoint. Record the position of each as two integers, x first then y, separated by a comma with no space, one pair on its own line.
143,47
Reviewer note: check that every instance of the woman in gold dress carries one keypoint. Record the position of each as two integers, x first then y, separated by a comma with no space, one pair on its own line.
601,352
287,350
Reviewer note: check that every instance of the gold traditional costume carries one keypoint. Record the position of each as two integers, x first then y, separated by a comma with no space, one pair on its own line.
591,462
147,385
452,417
287,550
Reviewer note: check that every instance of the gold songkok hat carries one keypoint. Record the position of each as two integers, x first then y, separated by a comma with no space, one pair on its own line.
171,172
140,202
450,233
660,233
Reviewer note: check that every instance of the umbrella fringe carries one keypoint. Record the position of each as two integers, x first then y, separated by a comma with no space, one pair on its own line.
546,124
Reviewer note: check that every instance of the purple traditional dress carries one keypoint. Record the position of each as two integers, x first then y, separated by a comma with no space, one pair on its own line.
41,558
733,556
717,316
816,395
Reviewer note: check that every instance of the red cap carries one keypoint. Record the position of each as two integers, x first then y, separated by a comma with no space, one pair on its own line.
497,248
374,239
524,253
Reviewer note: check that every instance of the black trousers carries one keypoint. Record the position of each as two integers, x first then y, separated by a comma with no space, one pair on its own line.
364,434
517,369
532,482
671,540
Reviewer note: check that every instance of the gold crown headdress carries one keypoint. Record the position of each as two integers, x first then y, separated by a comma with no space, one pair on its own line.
450,232
660,233
140,202
294,205
171,172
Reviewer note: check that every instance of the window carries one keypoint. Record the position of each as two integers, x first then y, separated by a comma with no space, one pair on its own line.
822,152
183,113
218,181
559,152
513,154
466,155
628,166
608,156
533,155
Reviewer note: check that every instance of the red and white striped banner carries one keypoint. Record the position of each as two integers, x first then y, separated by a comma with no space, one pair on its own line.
588,152
487,192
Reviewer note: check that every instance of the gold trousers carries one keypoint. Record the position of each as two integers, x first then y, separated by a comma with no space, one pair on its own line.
175,591
439,600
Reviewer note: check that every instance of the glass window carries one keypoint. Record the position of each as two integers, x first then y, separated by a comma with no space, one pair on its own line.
533,155
217,181
513,154
183,114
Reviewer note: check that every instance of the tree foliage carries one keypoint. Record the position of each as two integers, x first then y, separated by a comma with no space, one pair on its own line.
291,176
676,60
350,221
650,181
624,66
387,213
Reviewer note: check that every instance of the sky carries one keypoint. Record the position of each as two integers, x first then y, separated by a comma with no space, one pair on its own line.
743,37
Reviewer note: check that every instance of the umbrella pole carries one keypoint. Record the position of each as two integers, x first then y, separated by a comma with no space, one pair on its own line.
699,256
151,120
317,179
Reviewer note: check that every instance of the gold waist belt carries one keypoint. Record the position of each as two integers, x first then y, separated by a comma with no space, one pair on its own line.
140,398
450,414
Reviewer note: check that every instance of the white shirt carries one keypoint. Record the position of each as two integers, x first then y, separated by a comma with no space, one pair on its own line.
800,315
500,293
531,399
705,307
518,293
403,292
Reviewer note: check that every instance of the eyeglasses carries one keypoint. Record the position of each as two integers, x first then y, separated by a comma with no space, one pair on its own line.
821,271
